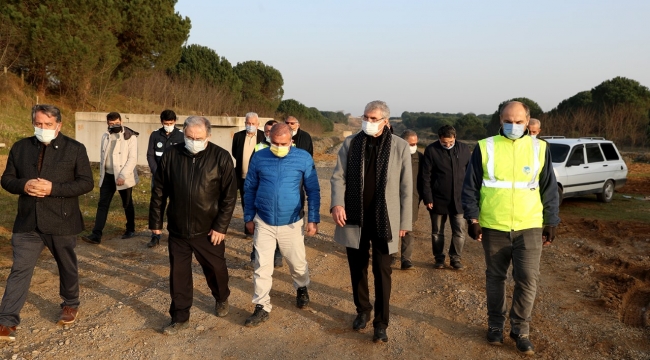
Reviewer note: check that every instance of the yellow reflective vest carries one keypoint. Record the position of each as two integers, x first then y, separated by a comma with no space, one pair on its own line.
510,199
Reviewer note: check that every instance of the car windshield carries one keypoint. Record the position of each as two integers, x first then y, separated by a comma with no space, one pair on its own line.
559,152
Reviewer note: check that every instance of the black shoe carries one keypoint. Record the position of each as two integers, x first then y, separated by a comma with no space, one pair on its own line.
259,316
155,240
277,262
380,335
457,265
302,297
128,234
524,345
407,265
439,264
495,336
92,239
173,327
222,308
360,321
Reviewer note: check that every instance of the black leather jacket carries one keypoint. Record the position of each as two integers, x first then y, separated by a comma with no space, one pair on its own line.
202,191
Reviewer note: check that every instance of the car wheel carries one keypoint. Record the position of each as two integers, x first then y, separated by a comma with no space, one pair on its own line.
560,193
608,192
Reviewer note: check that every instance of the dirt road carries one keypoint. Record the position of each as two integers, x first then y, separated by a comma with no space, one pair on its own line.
591,303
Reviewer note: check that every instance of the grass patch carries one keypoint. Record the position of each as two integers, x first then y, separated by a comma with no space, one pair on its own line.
620,209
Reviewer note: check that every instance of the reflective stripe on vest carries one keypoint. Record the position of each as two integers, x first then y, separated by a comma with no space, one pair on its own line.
493,183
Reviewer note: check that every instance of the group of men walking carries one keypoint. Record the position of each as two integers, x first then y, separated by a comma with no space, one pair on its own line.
504,194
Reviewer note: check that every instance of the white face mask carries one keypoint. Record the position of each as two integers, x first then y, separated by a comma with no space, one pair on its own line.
450,147
534,136
195,146
45,135
370,128
251,129
513,131
294,132
413,149
268,139
168,128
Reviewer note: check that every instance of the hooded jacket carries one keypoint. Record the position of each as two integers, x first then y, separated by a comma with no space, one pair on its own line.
125,157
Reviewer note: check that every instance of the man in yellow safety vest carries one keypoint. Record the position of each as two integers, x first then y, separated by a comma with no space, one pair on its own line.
510,199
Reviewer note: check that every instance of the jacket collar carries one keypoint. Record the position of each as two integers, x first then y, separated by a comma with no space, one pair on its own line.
56,142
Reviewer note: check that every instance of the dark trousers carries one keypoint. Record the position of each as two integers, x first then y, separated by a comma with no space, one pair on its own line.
407,245
213,262
524,249
164,200
358,261
458,225
106,192
26,249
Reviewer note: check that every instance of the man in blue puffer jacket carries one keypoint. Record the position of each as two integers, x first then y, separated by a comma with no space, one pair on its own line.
273,213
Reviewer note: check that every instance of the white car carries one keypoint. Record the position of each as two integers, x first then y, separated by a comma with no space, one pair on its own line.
584,166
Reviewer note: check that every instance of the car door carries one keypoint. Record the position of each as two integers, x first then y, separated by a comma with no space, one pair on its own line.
598,167
578,178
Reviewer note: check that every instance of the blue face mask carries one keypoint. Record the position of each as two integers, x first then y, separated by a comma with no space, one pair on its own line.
513,131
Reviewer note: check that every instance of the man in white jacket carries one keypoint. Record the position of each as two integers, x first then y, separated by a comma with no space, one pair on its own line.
116,172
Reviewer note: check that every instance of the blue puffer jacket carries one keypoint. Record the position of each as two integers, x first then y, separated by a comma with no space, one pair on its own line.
272,187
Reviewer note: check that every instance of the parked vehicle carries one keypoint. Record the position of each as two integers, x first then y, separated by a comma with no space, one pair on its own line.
589,165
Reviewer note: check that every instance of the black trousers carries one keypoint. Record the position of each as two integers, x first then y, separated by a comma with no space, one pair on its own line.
106,192
358,260
240,186
213,262
26,249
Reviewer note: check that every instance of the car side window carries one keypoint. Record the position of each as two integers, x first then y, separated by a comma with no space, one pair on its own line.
577,156
609,151
593,153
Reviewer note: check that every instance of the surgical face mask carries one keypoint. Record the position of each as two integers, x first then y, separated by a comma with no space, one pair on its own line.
534,136
114,129
268,139
251,129
370,128
45,135
513,131
413,149
294,132
449,147
195,146
168,128
280,151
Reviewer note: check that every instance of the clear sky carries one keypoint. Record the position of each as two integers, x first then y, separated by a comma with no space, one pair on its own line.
446,56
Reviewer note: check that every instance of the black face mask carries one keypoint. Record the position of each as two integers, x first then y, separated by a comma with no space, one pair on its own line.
114,129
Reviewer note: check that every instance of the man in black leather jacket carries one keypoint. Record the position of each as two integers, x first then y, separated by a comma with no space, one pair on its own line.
199,180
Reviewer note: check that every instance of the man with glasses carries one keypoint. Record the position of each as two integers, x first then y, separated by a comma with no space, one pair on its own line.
301,139
198,178
372,194
243,148
48,172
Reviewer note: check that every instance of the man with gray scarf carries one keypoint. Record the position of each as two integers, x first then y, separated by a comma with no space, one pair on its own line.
372,191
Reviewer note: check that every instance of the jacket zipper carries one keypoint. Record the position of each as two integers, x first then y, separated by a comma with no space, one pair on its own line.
189,210
512,212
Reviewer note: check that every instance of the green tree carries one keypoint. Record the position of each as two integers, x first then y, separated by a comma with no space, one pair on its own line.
261,87
310,118
470,126
202,62
621,90
335,116
580,100
495,123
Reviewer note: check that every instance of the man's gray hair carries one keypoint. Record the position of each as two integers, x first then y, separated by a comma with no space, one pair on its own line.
534,121
49,110
512,103
196,121
292,118
251,115
378,105
280,129
408,133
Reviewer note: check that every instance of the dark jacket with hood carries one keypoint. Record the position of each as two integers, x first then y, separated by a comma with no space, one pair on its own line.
443,172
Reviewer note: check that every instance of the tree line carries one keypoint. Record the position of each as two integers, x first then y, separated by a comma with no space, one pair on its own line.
617,109
92,51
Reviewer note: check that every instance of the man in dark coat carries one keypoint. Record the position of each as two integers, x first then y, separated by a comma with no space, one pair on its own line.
243,148
198,178
160,140
300,138
49,171
443,172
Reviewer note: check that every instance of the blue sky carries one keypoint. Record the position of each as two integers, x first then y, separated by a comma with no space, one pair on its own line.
447,56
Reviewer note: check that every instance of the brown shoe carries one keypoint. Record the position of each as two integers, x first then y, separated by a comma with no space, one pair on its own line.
7,333
68,315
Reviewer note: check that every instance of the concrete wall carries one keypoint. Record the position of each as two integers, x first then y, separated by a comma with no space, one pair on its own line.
91,125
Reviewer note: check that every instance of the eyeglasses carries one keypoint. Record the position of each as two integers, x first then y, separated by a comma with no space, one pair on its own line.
372,119
291,123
